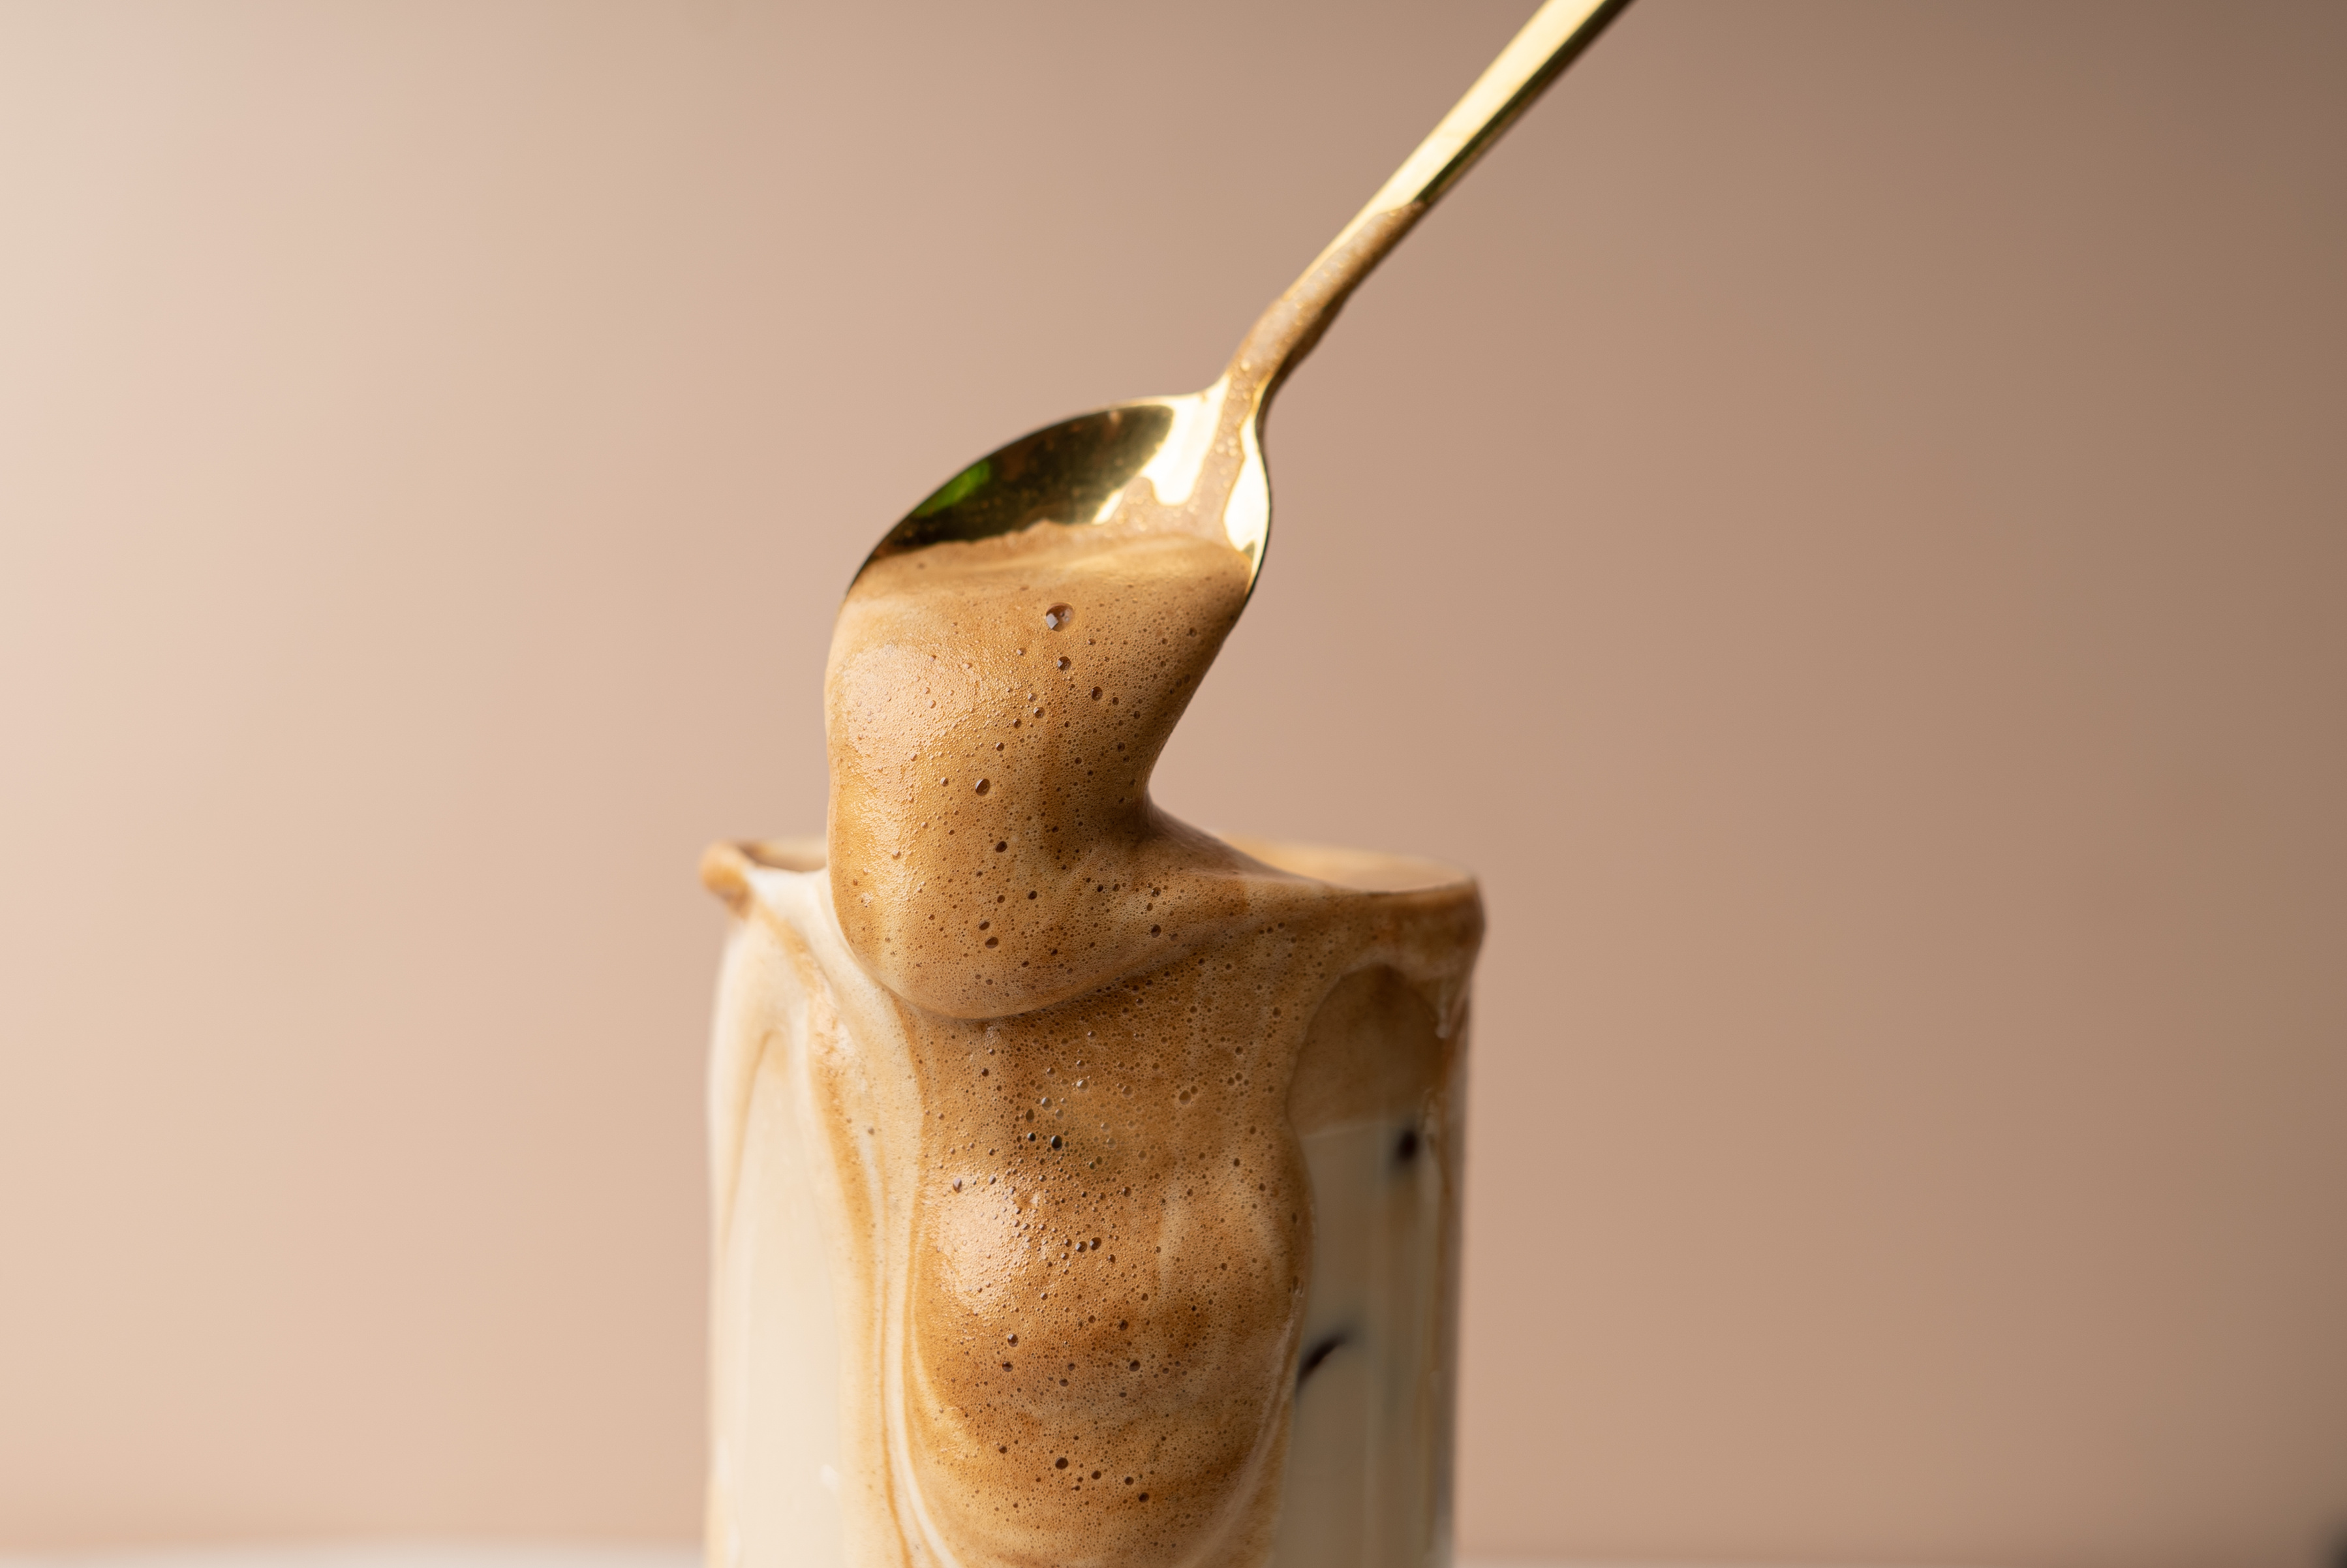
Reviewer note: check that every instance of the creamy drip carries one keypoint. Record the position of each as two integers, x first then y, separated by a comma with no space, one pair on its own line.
1068,1141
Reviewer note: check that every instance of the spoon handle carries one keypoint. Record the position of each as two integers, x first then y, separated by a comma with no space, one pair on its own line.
1557,34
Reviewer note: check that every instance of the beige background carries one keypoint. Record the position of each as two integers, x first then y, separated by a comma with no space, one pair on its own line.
1843,519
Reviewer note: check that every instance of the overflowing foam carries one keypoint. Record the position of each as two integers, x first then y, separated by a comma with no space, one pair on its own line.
1059,1055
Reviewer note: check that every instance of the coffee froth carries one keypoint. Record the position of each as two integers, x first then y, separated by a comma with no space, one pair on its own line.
1063,1063
993,712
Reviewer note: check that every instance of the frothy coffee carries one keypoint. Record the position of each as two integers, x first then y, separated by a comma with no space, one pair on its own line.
993,712
1068,1070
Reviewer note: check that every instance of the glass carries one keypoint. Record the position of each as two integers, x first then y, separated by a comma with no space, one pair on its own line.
831,1443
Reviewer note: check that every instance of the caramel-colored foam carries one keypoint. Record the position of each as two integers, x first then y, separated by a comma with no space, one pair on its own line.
1077,1217
992,845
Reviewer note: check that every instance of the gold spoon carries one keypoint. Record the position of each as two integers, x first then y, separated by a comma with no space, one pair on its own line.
1195,463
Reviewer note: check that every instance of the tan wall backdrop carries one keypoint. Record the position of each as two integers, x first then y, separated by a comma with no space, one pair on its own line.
1843,519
